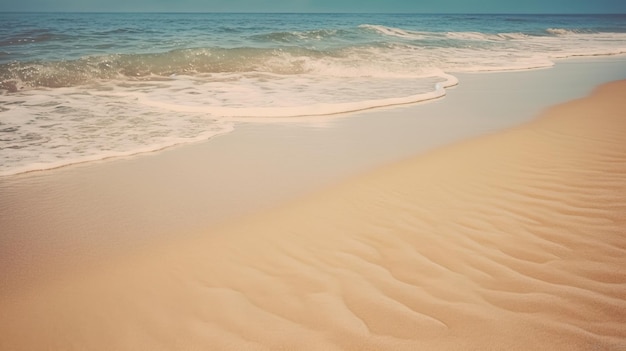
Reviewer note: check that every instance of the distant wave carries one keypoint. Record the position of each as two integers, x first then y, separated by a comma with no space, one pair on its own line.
478,36
473,36
394,32
563,31
295,36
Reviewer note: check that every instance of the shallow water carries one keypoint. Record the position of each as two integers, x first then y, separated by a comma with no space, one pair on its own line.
81,87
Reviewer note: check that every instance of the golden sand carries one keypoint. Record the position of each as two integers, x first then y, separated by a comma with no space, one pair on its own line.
515,241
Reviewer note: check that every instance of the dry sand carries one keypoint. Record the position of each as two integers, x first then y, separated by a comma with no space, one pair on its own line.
515,241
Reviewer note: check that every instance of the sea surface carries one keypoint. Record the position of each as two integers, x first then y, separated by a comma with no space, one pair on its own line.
76,87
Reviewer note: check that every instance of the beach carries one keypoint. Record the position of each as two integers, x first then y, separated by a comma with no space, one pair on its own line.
312,181
497,234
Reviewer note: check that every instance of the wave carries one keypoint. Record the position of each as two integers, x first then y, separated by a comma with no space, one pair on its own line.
189,61
563,31
478,36
304,110
394,32
343,62
468,35
297,37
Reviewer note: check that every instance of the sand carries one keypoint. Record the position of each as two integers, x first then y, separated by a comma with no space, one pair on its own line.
513,241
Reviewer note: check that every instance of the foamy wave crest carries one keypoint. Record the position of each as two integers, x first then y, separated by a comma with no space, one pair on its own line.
15,76
50,128
189,61
368,61
393,32
512,36
278,99
477,36
562,31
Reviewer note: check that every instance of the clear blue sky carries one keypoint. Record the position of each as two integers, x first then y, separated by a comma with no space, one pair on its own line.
398,6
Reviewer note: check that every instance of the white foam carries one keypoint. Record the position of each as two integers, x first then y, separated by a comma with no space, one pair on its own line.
477,36
394,32
58,127
290,106
467,36
562,31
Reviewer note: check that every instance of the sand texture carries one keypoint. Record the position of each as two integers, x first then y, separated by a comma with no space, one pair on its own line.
514,241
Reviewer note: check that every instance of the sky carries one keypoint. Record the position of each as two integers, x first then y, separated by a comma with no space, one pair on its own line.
394,6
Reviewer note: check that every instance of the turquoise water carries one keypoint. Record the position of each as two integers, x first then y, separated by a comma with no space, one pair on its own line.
79,87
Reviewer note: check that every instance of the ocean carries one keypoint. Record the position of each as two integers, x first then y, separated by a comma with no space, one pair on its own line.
76,87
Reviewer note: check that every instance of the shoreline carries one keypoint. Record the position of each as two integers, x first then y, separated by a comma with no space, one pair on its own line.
94,212
440,92
533,215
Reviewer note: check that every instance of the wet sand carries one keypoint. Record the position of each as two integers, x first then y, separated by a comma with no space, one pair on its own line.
513,240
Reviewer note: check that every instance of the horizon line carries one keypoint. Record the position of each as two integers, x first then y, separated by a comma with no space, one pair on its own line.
326,12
